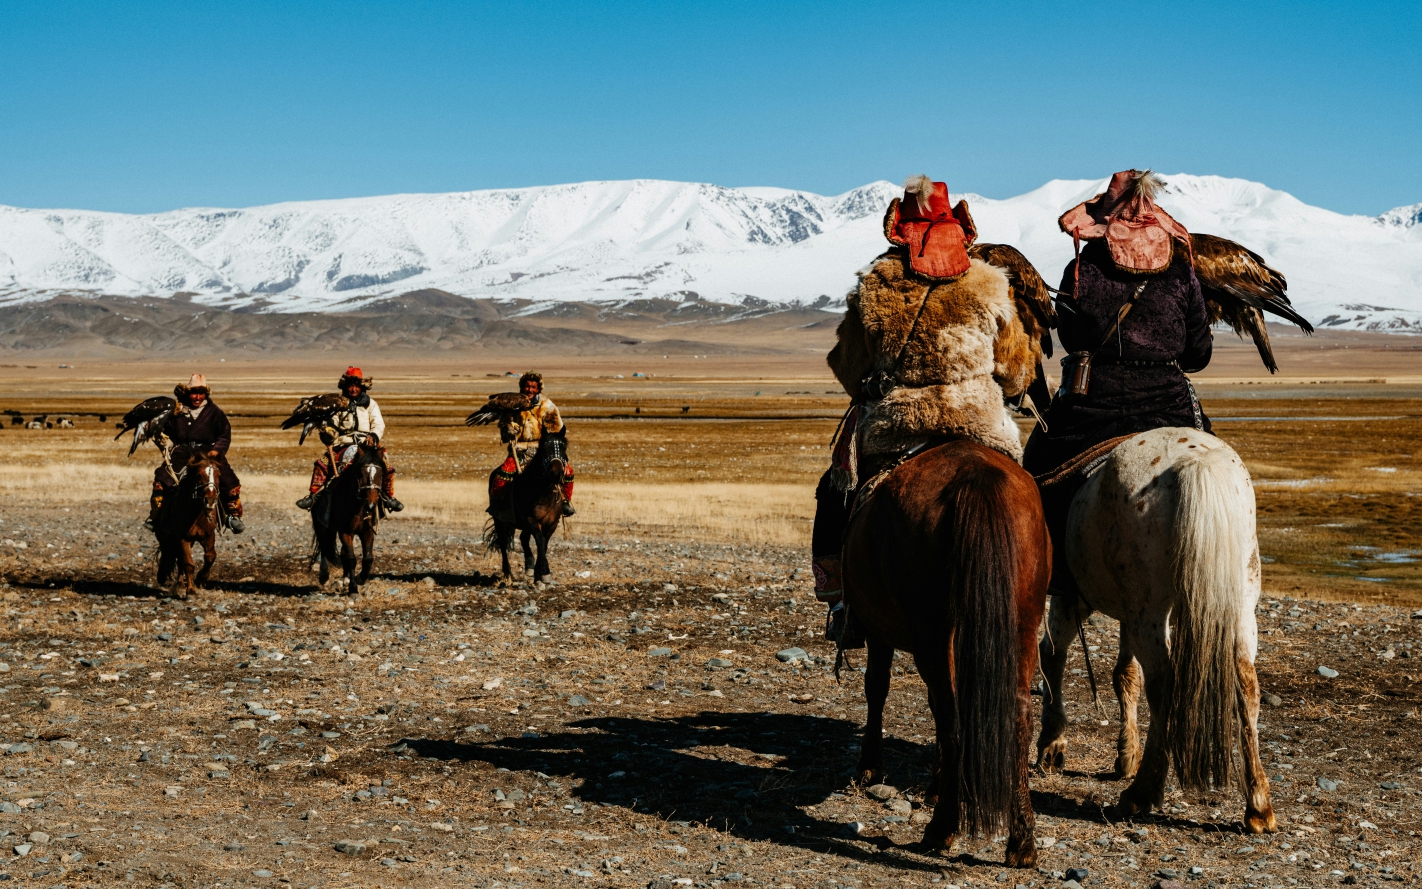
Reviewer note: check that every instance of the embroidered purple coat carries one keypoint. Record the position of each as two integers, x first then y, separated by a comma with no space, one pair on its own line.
1134,387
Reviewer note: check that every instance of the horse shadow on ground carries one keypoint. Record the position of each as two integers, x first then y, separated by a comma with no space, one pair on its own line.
441,578
676,769
103,588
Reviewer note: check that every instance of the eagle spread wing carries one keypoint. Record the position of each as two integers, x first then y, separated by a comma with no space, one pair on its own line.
148,420
497,408
1239,287
315,412
1029,291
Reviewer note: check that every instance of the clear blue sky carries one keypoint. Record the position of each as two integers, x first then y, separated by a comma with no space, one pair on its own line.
144,106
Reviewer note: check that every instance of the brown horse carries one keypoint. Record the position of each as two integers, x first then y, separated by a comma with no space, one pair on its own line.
949,560
189,515
347,508
534,507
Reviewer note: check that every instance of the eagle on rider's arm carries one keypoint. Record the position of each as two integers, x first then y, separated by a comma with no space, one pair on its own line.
1029,291
1239,287
148,420
315,412
499,408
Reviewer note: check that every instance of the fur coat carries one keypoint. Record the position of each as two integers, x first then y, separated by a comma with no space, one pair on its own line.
968,351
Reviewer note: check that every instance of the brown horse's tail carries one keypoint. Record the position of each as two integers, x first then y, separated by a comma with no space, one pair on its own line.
981,577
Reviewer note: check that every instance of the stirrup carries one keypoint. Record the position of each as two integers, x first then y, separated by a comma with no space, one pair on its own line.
306,502
568,508
393,505
148,523
235,523
834,622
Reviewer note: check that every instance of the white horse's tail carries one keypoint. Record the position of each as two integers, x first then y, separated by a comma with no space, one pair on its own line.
1213,534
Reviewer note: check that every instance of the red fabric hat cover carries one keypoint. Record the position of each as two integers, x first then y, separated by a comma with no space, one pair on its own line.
1138,233
934,237
354,372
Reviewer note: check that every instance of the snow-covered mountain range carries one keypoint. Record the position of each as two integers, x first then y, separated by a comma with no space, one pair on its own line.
617,240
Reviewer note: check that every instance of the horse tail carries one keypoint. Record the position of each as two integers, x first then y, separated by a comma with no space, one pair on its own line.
1212,535
981,577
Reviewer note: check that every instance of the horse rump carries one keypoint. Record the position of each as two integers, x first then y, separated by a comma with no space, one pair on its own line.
1213,527
981,580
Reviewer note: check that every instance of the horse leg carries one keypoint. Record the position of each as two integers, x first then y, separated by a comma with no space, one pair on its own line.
524,539
367,552
1258,811
932,661
1022,821
348,561
1147,791
184,582
209,555
880,658
1126,679
1052,651
540,565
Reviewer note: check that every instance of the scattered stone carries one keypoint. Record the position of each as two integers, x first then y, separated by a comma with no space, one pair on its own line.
578,701
1046,842
21,747
261,872
1391,785
1197,871
856,827
719,663
233,847
883,792
660,652
53,705
1070,884
1327,785
1169,884
309,815
1327,672
1077,874
23,849
350,847
38,837
900,806
442,826
9,808
1271,699
789,655
1364,825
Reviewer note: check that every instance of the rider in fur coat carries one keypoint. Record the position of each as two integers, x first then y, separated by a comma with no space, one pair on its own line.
200,428
929,347
522,432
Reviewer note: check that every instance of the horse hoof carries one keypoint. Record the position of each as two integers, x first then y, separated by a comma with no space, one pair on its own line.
1126,767
1261,822
1132,802
1052,758
1023,854
937,839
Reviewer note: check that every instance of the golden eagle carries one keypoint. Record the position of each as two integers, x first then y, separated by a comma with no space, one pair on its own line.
498,408
315,412
148,420
1239,287
1031,294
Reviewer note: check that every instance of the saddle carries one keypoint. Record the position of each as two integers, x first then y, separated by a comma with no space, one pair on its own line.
1080,467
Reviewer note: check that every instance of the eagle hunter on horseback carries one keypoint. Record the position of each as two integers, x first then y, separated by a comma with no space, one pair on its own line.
532,490
195,489
347,418
1151,516
928,535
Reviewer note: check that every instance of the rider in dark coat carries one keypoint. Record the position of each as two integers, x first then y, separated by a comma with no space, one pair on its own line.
1138,376
1136,255
200,428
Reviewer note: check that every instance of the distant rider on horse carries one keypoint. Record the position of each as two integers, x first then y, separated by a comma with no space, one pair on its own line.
523,432
930,345
200,428
361,421
1132,318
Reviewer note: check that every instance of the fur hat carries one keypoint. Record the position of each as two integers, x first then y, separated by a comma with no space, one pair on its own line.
196,383
531,375
1140,235
934,234
354,375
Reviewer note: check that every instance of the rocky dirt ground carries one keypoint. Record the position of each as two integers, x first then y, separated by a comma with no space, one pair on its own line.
630,725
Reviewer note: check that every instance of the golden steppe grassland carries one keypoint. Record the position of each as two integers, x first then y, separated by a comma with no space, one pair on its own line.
631,725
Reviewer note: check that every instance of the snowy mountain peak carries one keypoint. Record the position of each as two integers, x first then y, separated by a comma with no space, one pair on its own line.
646,238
